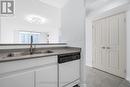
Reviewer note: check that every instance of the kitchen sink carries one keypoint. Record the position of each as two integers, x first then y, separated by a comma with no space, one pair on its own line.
15,54
37,52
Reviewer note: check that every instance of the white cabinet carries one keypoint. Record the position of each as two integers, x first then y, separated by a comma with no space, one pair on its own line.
18,80
37,72
47,76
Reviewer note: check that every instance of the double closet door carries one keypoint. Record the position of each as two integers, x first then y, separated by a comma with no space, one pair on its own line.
109,41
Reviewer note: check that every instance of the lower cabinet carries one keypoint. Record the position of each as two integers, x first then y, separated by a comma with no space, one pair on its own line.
47,76
18,80
39,72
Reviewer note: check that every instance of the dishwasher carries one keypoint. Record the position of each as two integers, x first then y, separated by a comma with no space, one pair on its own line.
69,69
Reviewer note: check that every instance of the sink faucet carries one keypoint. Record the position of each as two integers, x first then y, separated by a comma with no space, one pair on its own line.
31,45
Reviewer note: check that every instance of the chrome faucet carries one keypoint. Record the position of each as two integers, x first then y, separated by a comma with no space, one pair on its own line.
31,45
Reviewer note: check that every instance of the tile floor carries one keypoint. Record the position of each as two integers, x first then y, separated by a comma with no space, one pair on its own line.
97,78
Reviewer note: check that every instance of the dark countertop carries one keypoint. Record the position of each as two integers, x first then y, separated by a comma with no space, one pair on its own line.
56,51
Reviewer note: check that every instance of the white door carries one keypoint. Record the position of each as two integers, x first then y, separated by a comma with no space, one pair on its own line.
100,41
109,44
18,80
117,45
47,76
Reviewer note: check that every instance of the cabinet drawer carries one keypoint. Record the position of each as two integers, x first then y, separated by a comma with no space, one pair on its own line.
11,66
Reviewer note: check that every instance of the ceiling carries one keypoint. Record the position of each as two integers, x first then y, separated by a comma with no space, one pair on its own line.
91,5
55,3
94,5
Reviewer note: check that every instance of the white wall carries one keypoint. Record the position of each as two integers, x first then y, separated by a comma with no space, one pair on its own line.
88,42
73,28
128,45
89,20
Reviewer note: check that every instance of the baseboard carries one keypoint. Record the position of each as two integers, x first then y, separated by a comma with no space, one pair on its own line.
89,65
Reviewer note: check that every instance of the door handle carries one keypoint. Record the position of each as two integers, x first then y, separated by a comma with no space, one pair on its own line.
103,47
108,48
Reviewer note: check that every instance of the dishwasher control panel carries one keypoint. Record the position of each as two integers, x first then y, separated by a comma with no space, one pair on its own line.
63,58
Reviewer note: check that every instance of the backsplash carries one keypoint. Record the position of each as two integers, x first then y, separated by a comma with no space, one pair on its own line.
26,46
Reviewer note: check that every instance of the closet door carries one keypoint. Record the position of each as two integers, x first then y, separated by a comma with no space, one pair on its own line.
122,45
109,44
105,39
114,45
100,41
117,45
97,57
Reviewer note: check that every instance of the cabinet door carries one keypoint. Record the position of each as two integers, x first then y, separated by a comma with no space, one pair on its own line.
18,80
47,76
